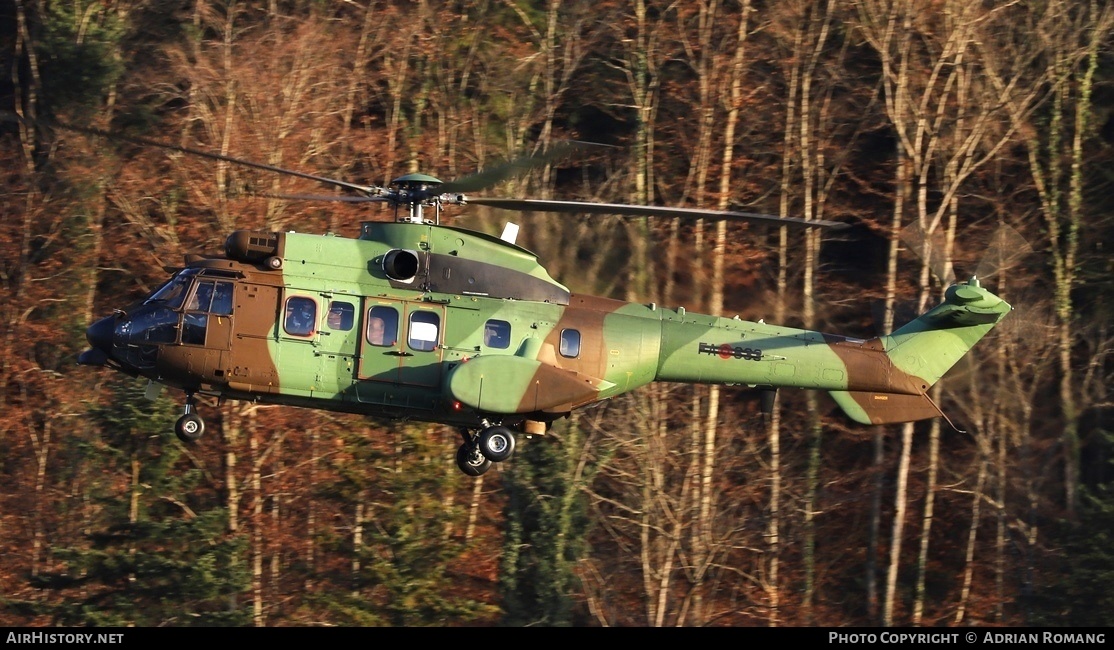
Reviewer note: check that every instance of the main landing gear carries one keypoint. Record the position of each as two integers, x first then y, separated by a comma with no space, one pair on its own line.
493,444
190,426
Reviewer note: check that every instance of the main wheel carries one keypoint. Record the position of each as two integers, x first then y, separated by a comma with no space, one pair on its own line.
471,461
189,427
496,443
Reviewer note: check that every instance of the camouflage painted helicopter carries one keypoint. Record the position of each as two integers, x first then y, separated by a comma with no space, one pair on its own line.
414,319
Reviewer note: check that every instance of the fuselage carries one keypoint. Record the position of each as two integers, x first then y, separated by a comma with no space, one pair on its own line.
439,324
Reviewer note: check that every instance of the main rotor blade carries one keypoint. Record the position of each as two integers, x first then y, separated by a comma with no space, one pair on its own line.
621,209
365,189
322,197
487,177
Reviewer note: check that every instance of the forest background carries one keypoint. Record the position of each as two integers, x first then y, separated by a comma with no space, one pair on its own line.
672,506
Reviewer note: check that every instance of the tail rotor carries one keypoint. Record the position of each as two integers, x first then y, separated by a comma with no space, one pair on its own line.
1004,250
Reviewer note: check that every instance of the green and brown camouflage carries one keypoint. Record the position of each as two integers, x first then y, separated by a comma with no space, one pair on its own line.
479,336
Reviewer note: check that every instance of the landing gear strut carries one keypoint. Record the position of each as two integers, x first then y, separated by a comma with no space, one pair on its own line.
493,444
190,426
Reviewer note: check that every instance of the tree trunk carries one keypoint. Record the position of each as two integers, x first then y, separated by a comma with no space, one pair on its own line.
900,506
926,520
972,535
257,551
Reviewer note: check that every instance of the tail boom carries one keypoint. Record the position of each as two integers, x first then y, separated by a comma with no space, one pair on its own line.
875,381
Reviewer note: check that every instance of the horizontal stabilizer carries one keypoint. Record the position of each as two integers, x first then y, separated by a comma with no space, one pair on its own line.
869,407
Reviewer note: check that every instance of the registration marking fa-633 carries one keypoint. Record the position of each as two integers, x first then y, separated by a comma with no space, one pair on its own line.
728,351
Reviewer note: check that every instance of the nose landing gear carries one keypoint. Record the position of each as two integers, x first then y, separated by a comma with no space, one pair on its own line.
493,444
190,426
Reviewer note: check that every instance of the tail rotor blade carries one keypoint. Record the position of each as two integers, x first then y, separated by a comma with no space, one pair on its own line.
1006,248
930,247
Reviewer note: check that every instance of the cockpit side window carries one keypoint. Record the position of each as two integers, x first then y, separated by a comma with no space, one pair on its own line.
301,315
193,328
209,297
212,297
174,291
222,299
202,297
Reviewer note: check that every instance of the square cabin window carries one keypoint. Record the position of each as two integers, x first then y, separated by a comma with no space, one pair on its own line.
497,334
570,343
341,316
382,326
425,327
301,316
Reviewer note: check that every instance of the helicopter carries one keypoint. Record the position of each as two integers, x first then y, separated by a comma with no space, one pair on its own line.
419,320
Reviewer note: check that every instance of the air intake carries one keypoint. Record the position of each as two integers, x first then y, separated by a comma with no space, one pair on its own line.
402,265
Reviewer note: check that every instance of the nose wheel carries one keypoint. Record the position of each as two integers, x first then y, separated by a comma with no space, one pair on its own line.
190,426
493,444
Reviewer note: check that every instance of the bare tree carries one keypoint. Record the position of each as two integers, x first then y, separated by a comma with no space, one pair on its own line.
1070,38
937,128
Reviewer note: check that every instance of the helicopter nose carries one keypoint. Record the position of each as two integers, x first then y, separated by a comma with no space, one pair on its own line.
99,335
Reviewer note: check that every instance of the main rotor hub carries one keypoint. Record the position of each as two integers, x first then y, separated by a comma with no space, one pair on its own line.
416,190
420,181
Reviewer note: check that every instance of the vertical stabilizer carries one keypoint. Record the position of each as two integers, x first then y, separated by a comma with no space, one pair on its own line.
925,349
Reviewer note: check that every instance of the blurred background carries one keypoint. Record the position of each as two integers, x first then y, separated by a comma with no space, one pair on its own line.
955,138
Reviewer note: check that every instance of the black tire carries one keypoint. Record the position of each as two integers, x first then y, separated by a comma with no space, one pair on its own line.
471,461
496,443
189,427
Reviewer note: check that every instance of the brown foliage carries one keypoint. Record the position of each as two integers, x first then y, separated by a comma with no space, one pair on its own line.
367,91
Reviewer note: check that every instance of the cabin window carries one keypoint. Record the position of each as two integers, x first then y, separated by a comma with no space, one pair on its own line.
424,329
341,316
497,334
301,314
382,326
570,343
